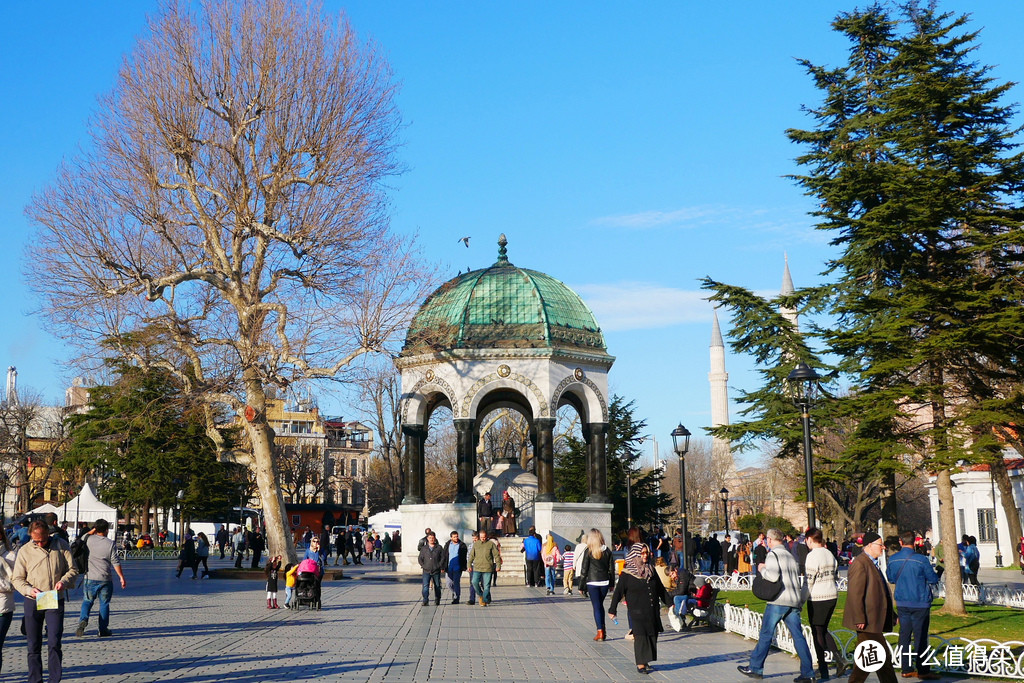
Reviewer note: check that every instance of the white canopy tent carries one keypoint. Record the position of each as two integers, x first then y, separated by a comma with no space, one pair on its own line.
83,508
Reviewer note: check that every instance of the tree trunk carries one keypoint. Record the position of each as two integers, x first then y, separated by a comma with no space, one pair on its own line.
145,517
890,515
264,467
947,531
1010,512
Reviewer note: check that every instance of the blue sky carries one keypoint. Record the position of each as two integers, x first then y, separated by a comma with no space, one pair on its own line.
626,149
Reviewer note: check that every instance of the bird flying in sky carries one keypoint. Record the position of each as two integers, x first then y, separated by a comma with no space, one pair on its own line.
464,240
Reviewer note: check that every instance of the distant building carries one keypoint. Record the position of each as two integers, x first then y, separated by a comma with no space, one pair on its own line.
322,460
978,508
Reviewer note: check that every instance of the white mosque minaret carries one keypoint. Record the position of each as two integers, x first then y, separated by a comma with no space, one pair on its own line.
719,380
787,288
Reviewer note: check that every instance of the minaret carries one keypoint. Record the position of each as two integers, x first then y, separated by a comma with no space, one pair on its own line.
719,380
11,396
789,314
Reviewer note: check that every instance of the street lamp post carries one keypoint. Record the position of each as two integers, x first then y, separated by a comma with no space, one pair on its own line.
681,445
995,526
724,495
802,381
629,494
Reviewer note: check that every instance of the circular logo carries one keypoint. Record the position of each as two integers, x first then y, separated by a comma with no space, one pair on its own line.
430,375
578,374
504,371
869,655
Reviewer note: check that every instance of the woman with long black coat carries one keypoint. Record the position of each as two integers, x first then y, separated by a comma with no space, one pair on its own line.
644,594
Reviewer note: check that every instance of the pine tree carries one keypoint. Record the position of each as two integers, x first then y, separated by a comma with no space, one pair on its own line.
625,433
914,167
143,442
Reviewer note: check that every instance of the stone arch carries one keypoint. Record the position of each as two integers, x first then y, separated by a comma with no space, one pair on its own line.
421,400
514,381
587,394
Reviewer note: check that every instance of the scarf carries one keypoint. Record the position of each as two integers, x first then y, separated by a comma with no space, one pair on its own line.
635,565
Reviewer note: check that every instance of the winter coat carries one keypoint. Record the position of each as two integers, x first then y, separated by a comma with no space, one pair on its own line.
42,568
793,592
432,559
463,555
485,557
596,571
643,602
868,600
913,576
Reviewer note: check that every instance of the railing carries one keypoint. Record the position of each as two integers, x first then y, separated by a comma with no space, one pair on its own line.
982,657
148,554
984,594
524,499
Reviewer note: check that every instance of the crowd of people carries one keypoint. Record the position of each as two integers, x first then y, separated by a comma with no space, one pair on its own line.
39,562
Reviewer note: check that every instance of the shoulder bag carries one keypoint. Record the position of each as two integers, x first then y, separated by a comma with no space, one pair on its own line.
768,590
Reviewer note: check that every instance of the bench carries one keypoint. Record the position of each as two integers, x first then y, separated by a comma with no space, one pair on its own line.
702,615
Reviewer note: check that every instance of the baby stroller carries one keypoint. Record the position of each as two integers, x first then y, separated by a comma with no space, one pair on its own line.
307,585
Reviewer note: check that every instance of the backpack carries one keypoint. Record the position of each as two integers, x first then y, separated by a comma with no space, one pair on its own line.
80,555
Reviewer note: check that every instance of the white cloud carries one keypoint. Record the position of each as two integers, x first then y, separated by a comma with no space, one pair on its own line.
692,215
643,306
775,226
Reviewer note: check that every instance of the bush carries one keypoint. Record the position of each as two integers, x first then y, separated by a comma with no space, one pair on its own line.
752,525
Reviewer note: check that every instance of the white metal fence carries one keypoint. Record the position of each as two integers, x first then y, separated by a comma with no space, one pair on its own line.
983,657
984,594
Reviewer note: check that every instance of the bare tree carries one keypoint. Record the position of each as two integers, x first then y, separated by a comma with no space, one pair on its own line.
379,405
302,468
439,458
32,441
705,475
232,204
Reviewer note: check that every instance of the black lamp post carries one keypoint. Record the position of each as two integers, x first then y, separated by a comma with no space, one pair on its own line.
802,381
724,496
681,445
995,526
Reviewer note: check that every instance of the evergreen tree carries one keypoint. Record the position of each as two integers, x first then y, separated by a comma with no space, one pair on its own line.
625,433
913,164
143,442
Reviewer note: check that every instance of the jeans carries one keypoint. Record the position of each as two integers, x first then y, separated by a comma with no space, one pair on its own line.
914,623
482,584
455,583
683,604
597,594
97,590
790,616
289,591
550,578
34,619
431,578
5,624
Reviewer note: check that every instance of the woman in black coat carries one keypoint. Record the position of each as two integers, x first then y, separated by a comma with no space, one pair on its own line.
644,594
597,574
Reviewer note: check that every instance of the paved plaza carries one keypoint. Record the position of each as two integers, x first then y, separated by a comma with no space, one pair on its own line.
372,628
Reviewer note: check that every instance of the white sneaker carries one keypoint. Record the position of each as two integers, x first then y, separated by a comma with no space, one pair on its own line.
677,625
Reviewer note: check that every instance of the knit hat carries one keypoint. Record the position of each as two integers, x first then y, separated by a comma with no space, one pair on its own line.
870,537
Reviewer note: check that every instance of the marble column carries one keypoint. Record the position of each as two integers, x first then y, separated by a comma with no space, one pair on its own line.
465,463
415,492
596,434
544,451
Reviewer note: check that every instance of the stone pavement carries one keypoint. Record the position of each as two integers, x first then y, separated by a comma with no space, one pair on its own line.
372,628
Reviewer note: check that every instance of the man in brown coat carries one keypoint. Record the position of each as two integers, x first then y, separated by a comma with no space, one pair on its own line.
869,612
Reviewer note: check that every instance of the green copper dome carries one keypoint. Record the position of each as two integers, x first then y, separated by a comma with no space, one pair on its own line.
503,307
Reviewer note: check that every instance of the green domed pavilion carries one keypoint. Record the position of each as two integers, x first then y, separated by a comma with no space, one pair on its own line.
504,306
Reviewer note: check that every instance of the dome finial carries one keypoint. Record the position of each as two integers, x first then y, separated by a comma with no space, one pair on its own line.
502,252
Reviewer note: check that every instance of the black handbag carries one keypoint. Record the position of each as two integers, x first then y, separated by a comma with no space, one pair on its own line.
768,590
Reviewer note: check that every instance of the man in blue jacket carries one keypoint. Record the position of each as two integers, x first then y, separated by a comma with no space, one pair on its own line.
534,566
913,577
